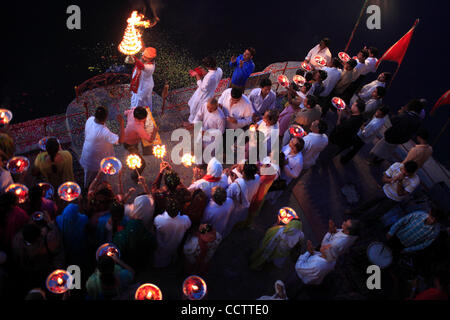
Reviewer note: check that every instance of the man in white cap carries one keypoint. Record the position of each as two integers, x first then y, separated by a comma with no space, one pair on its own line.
142,83
213,178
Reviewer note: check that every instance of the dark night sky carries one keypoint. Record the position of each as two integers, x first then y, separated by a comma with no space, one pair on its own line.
43,59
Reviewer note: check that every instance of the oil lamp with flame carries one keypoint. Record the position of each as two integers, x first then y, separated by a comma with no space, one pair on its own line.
19,190
111,165
132,43
299,80
59,281
321,61
159,151
338,103
5,116
148,291
108,249
134,162
297,131
188,160
194,288
18,165
283,81
306,66
69,191
286,215
47,190
344,57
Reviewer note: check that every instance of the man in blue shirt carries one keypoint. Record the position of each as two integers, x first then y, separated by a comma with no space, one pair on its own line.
243,68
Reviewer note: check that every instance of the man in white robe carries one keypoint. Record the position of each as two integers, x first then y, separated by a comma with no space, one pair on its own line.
340,240
211,118
219,210
170,229
142,79
315,142
366,92
237,108
320,50
213,178
206,87
294,157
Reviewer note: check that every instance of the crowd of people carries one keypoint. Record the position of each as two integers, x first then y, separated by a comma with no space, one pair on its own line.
170,223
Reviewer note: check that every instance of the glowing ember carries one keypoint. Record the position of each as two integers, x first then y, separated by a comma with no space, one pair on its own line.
110,166
148,291
108,249
321,61
159,151
134,162
132,43
194,288
338,103
187,160
59,281
286,215
69,191
344,56
5,116
18,165
305,66
299,80
297,131
283,81
20,190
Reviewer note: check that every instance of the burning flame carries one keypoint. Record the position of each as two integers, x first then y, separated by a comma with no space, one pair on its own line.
253,128
188,160
194,287
132,43
60,281
69,190
149,295
134,162
159,151
18,191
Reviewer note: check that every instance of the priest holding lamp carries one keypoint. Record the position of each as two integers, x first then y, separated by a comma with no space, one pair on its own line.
142,80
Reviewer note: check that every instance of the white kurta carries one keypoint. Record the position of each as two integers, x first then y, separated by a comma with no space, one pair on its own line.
366,92
98,144
239,193
368,133
143,97
334,75
241,111
312,269
169,233
205,91
326,53
218,216
209,121
339,241
371,65
314,144
214,169
294,165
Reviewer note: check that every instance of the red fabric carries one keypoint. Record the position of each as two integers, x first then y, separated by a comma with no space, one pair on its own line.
211,178
134,85
432,294
444,100
397,52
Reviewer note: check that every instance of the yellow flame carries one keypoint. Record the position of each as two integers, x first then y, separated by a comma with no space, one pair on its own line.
149,295
159,151
187,160
60,281
132,43
134,162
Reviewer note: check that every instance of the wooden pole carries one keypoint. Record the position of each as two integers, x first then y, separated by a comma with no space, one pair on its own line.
363,10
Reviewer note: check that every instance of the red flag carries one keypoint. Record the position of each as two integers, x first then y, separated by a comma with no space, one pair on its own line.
397,52
444,100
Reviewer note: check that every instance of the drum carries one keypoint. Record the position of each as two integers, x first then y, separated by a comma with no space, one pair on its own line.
379,254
